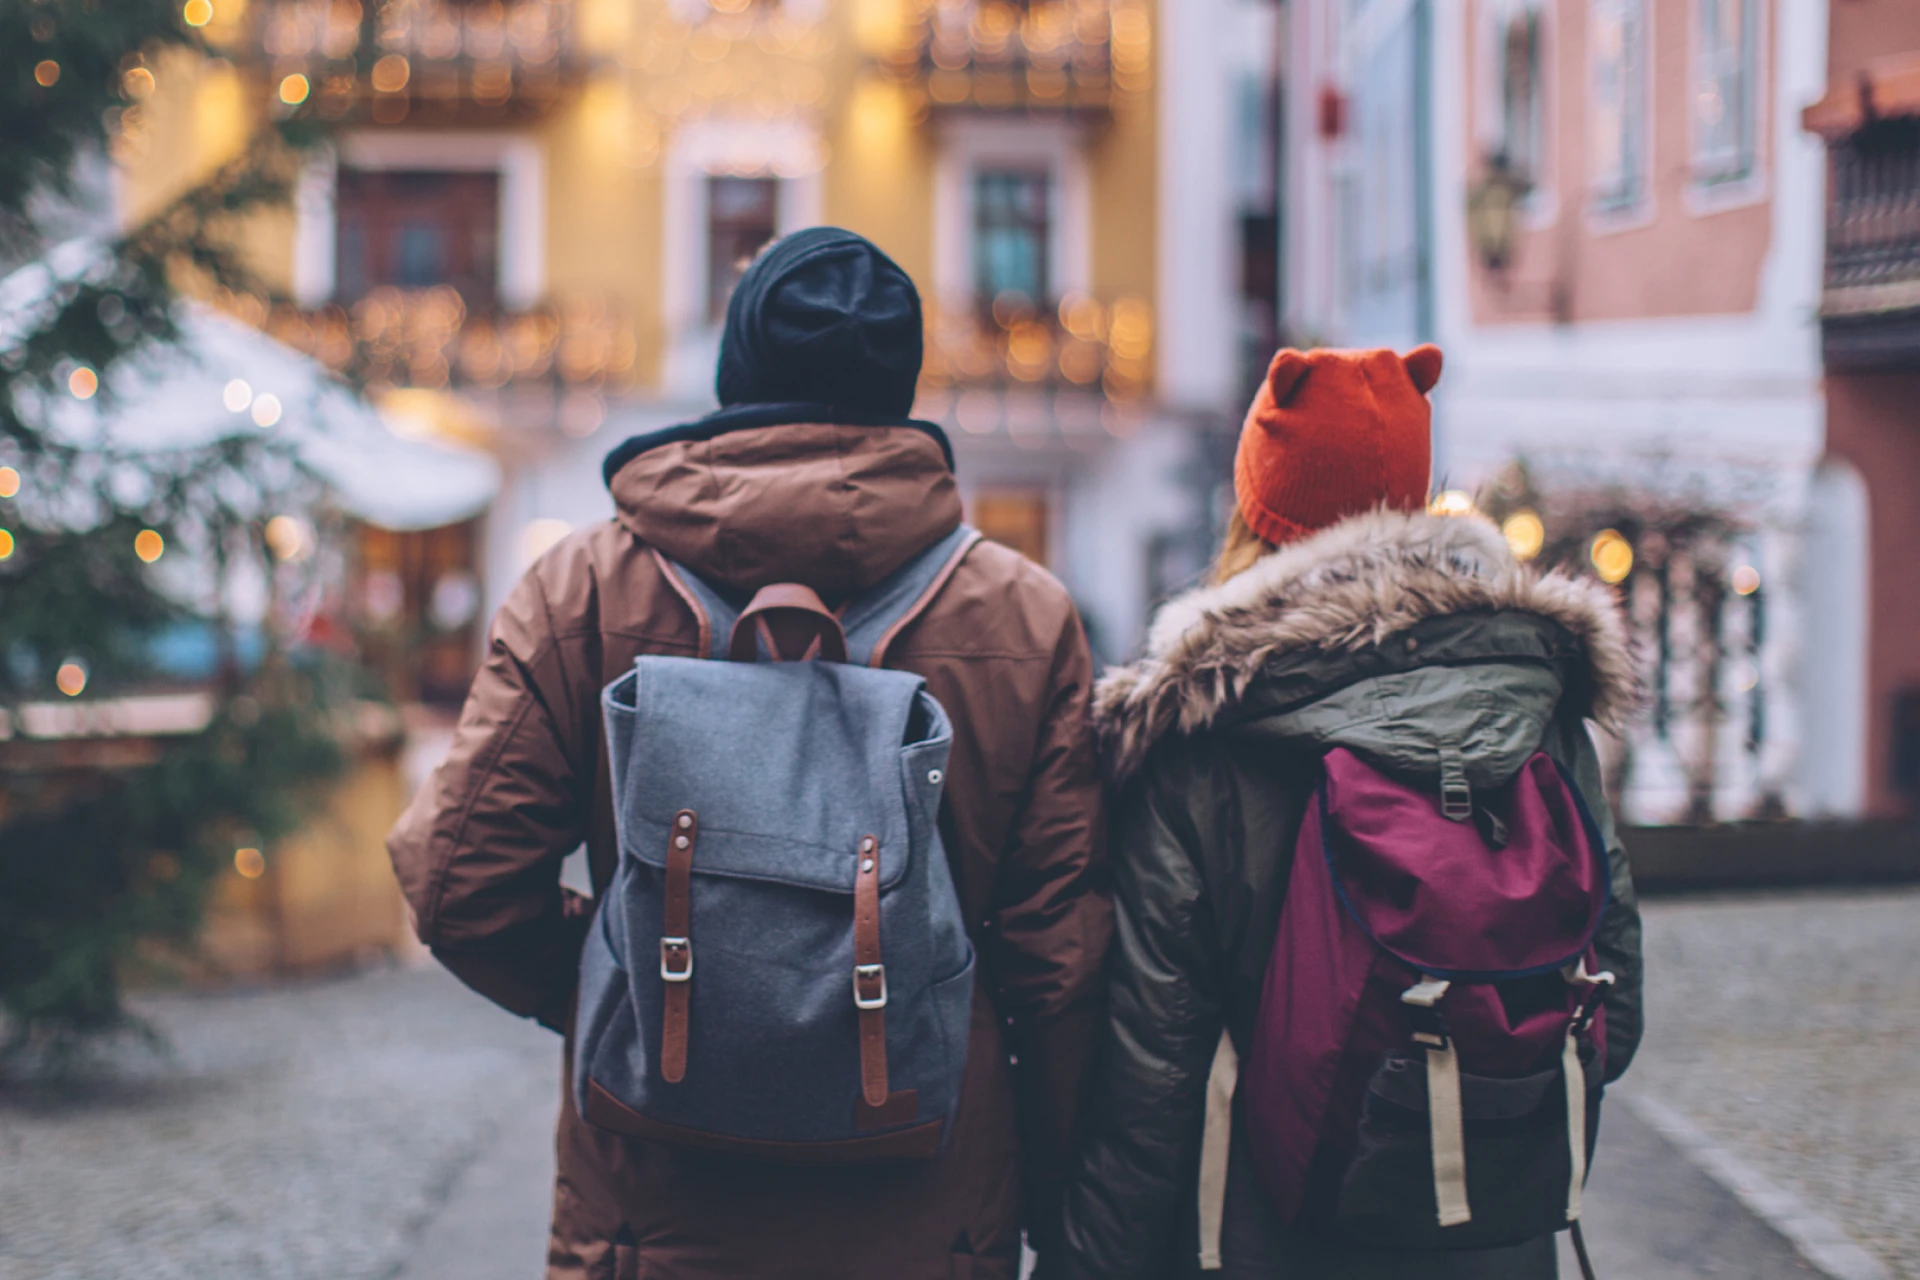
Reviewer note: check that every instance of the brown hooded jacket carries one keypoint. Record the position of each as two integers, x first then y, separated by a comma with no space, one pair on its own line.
479,851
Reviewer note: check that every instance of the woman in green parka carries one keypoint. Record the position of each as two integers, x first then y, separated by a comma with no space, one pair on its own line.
1340,613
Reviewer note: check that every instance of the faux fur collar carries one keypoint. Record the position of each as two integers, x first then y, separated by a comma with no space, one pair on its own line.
1345,588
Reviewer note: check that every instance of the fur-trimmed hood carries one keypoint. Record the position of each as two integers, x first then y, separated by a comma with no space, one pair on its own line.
1344,589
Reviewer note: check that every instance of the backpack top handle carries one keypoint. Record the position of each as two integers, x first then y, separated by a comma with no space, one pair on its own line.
792,600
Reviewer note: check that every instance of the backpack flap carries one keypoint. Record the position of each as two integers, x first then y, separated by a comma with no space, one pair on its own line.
777,760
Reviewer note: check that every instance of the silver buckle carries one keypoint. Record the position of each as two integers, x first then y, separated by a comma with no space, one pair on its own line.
867,973
668,949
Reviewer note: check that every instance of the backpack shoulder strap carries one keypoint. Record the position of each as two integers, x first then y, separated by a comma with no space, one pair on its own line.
871,620
874,619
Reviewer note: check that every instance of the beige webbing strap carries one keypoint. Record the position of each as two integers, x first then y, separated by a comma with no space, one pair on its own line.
1576,1122
1449,1136
1214,1143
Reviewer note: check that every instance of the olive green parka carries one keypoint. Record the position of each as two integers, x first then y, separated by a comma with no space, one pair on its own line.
1403,638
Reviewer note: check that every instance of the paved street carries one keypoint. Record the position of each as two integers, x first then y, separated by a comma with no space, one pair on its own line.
392,1125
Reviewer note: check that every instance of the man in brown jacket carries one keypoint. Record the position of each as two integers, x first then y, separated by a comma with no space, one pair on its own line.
811,473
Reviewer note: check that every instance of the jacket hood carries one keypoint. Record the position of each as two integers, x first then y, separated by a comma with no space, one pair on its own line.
834,506
1343,591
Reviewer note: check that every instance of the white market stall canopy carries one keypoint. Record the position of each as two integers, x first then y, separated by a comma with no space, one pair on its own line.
223,377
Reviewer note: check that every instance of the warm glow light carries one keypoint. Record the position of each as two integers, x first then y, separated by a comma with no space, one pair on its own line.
266,410
250,862
1746,580
1451,502
6,544
198,13
237,395
9,482
540,536
83,382
45,74
1612,556
289,538
148,544
391,72
294,89
138,83
1525,533
71,678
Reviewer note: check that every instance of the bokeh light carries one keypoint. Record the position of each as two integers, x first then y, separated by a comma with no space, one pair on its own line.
250,862
266,410
198,13
391,73
1612,556
1525,533
1451,502
46,74
237,395
83,382
9,482
149,545
6,544
289,538
1746,580
294,89
71,678
138,84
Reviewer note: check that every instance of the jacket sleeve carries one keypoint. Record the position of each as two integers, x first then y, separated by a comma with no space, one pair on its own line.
479,850
1138,1166
1618,941
1051,922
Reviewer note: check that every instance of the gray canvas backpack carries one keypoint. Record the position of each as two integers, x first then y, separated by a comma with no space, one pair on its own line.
780,968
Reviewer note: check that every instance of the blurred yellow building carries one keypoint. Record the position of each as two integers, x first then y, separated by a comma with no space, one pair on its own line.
538,209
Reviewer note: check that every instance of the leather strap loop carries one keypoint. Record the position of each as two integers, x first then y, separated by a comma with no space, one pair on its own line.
869,974
787,598
676,946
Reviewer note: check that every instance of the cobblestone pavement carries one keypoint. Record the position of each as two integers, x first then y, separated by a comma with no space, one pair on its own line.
305,1133
1785,1026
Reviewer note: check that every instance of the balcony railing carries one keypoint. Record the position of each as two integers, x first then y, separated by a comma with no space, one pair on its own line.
427,338
1046,56
1871,308
385,58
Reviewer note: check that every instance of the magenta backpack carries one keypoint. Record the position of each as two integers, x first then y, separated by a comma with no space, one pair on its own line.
1427,1059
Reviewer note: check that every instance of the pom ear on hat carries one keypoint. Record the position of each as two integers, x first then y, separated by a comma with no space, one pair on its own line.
1284,374
1423,366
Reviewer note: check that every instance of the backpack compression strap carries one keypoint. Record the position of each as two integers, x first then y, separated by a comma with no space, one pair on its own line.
1446,1122
676,946
870,975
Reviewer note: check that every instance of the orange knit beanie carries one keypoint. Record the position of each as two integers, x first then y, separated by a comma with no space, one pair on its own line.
1332,434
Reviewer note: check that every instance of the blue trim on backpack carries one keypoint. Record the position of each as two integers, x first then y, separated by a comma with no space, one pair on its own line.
1601,857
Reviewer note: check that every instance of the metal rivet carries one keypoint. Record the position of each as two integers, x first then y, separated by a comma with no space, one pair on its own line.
681,842
866,864
686,820
866,846
934,776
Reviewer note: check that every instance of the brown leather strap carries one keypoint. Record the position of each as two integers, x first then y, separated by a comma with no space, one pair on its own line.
786,598
919,606
676,946
869,975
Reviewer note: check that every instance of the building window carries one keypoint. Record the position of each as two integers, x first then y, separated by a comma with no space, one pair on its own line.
743,214
1015,518
1726,91
1012,226
1618,37
415,229
1521,53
